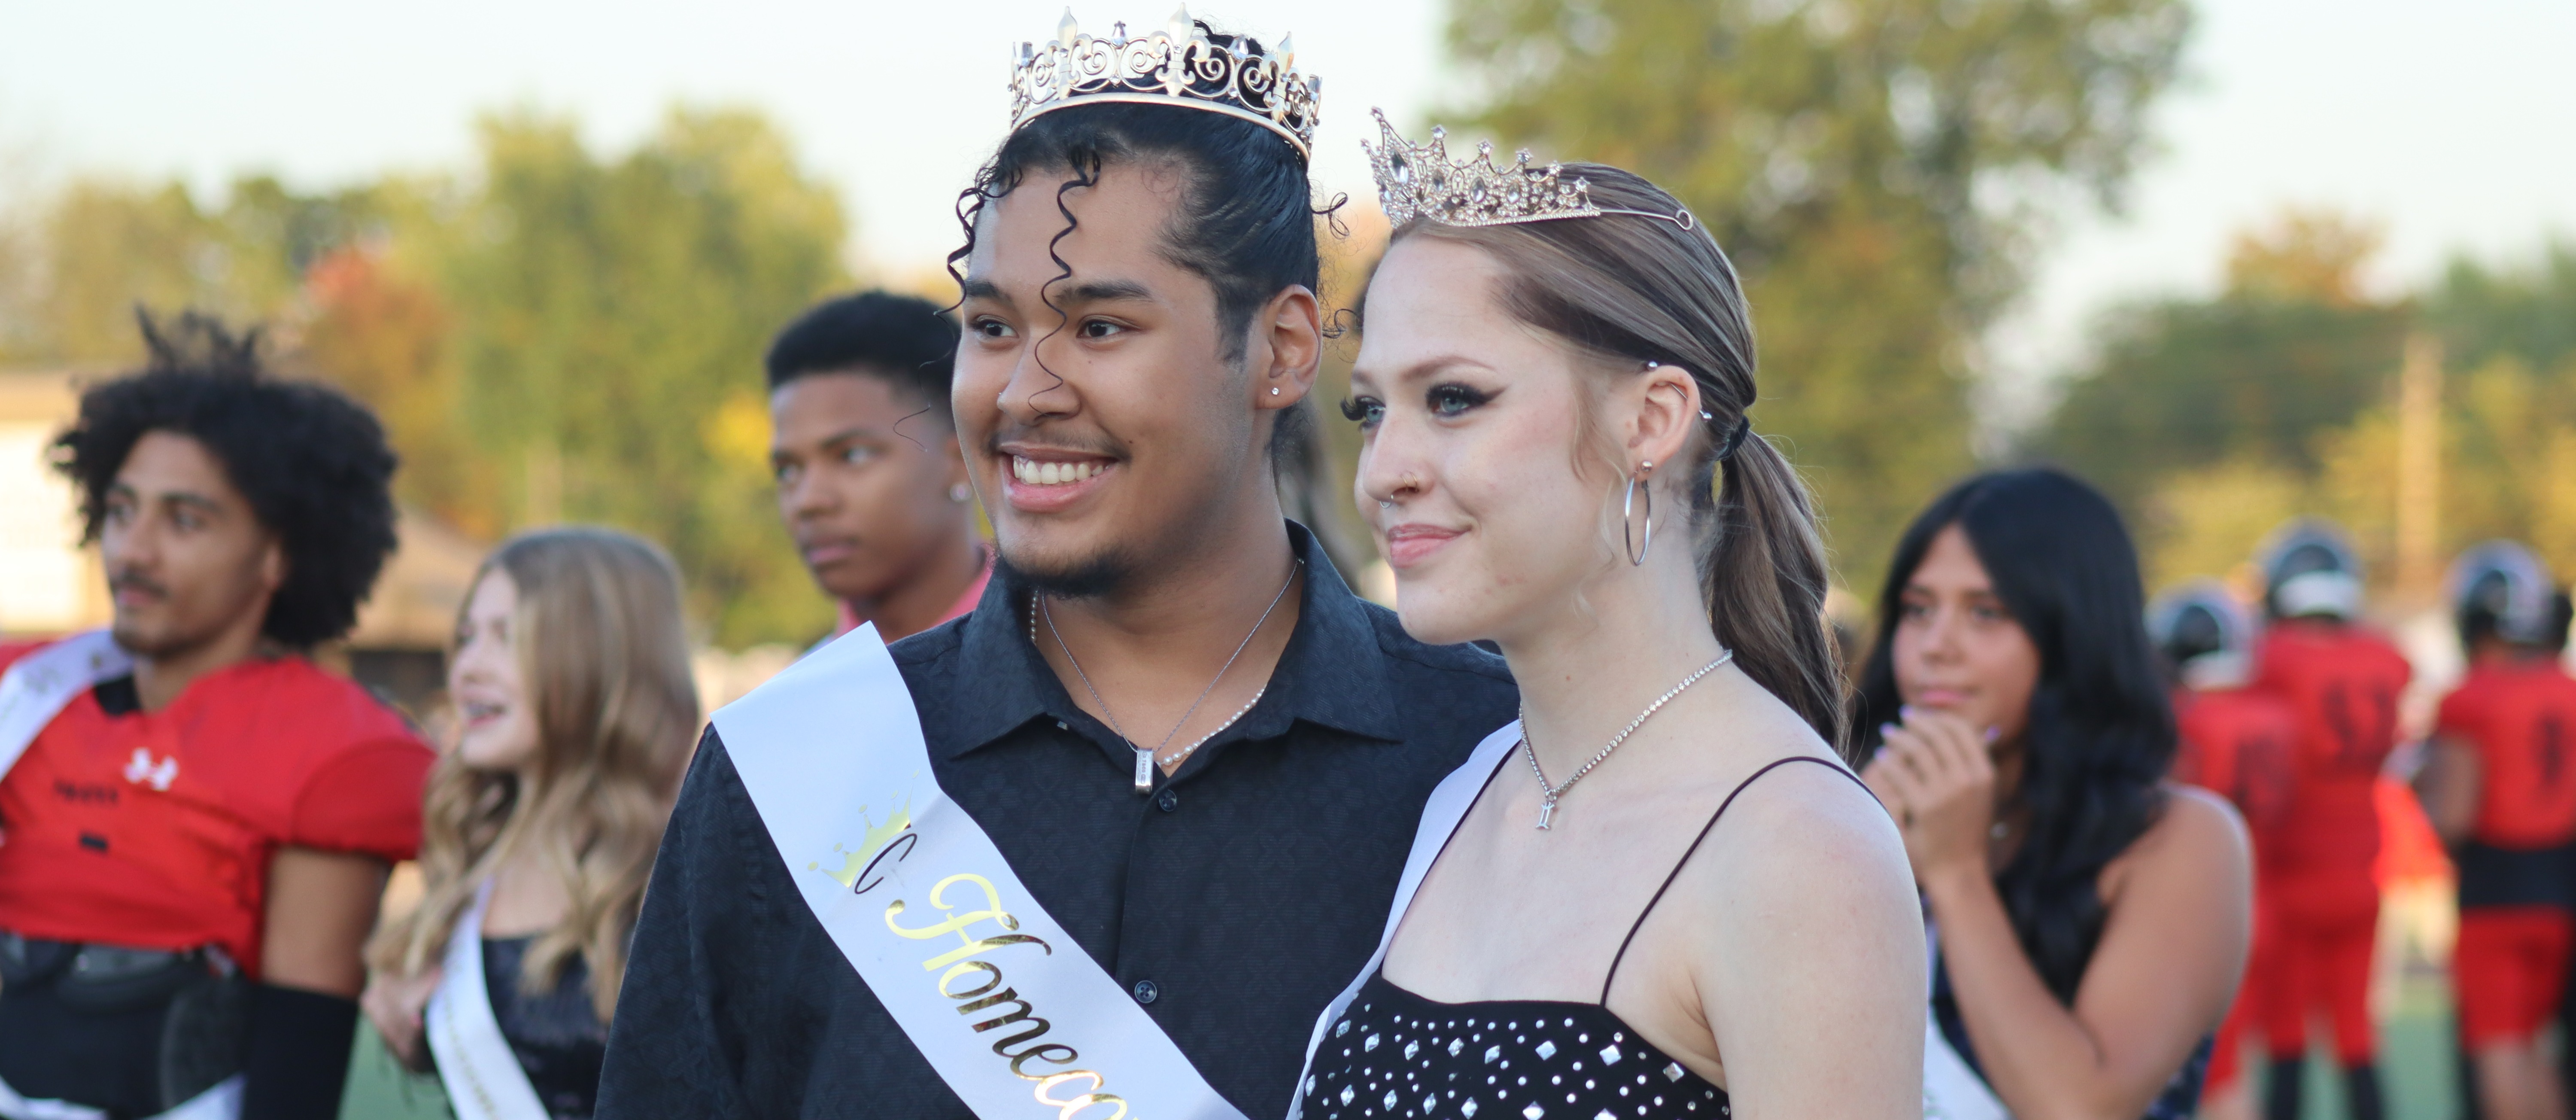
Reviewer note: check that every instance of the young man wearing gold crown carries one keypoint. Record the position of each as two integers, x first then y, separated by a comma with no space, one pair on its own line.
1108,844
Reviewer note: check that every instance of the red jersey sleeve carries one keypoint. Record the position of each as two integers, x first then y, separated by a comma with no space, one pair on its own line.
10,652
365,799
2457,713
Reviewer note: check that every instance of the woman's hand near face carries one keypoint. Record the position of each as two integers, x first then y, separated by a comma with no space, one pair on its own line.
396,1005
1936,777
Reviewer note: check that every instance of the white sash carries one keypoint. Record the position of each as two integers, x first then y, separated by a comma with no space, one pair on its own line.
1441,816
32,693
1951,1090
483,1078
1007,1007
37,686
222,1102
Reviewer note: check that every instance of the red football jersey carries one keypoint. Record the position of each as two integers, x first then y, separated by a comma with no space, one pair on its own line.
2341,685
155,829
2520,717
2238,742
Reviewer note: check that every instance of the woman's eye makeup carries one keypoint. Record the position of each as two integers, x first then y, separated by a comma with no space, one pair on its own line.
1452,399
1363,411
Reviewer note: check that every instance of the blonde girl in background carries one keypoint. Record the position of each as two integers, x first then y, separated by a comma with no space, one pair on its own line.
575,714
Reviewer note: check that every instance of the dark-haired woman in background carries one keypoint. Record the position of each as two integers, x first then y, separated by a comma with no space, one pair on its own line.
2090,919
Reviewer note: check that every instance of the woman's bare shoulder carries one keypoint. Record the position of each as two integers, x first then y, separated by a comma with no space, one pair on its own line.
2196,838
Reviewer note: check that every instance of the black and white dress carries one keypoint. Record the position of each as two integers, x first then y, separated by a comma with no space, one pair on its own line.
1397,1054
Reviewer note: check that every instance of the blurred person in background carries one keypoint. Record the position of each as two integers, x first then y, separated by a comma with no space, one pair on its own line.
199,820
871,480
575,716
2090,918
2235,741
2343,681
2501,792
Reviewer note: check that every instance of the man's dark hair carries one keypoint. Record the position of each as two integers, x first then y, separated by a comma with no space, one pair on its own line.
312,463
905,339
1245,222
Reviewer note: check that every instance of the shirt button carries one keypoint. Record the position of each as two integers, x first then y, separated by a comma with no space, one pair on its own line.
1167,801
1146,992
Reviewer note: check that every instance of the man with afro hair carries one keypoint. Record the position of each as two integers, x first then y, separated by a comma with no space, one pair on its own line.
195,821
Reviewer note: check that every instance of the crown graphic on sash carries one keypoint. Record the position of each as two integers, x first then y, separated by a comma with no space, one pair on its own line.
1179,65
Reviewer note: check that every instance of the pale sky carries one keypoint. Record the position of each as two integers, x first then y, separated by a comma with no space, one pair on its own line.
2450,123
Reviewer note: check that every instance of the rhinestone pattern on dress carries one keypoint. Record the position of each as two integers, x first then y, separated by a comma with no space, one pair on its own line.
1532,1058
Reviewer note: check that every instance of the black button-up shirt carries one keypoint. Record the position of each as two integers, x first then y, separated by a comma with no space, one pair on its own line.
1233,902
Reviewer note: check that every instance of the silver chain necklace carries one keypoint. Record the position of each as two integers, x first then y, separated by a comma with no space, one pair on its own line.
1145,758
1548,793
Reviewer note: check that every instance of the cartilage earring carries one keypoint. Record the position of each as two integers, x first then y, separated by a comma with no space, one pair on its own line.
1627,510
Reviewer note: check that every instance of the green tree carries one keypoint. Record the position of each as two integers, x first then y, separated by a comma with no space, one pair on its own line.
2528,313
609,317
1877,169
2186,384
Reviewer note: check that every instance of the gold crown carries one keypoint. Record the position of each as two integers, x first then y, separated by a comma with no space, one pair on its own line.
1421,181
1178,65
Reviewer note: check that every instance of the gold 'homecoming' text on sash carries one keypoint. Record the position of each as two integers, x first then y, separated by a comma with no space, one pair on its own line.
1014,1016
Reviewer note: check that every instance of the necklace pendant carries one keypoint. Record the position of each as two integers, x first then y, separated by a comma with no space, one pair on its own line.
1144,770
1546,809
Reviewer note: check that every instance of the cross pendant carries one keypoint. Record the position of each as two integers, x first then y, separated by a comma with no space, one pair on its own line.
1144,770
1546,809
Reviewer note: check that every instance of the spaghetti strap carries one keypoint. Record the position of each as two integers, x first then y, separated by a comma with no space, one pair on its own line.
1704,830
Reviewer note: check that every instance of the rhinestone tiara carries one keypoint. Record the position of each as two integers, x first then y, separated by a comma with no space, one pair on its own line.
1178,65
1421,181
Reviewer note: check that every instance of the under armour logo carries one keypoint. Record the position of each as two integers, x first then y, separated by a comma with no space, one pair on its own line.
158,774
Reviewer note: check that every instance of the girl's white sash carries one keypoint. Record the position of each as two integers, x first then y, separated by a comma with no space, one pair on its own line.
37,686
483,1078
1951,1089
1441,816
1007,1007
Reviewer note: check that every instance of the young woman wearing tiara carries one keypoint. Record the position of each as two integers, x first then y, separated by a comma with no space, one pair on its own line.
1666,896
575,719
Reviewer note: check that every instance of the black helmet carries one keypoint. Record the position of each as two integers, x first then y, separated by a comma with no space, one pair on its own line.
2309,570
2500,589
2203,634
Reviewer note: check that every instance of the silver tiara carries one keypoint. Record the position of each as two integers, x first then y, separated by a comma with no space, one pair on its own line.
1421,181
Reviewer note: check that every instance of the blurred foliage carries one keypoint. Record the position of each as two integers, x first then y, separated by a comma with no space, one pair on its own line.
2290,349
1879,170
2528,314
2214,420
553,335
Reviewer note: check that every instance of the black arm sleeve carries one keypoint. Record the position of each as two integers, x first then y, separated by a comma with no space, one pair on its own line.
666,1055
299,1054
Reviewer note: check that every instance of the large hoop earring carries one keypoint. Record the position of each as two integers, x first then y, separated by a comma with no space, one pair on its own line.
1627,505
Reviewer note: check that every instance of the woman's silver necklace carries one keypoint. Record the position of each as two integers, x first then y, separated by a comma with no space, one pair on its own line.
1548,793
1145,758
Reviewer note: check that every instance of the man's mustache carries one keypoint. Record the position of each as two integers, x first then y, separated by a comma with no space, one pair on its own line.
136,581
1080,443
